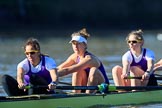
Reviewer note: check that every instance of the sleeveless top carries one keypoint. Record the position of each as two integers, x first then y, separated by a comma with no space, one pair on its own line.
44,73
101,68
142,63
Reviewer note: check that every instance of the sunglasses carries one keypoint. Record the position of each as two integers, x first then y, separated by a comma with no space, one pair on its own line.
31,52
133,41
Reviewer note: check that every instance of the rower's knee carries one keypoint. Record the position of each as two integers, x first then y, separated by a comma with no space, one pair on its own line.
92,74
116,70
95,76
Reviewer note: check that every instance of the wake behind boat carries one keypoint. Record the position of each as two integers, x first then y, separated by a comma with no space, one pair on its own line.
82,100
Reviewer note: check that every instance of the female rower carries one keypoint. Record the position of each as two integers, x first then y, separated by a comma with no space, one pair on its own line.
85,67
36,69
137,62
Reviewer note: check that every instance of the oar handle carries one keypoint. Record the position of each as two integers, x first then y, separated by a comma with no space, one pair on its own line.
37,86
131,77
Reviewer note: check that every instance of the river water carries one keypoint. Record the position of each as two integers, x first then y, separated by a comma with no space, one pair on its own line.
109,46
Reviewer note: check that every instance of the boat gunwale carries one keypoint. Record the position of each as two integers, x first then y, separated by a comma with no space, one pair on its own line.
66,95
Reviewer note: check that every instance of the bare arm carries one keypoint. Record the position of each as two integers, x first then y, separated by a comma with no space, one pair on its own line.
86,62
54,75
159,62
150,66
158,66
70,61
20,77
126,67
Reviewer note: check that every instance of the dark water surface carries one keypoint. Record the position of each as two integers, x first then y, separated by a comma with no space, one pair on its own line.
109,47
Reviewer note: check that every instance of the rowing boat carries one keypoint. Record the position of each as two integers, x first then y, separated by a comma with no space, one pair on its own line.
82,100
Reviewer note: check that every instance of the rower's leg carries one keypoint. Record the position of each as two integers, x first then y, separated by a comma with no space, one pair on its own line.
79,79
95,78
38,80
137,72
118,81
10,86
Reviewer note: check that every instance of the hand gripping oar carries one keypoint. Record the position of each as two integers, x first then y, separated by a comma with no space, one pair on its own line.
103,88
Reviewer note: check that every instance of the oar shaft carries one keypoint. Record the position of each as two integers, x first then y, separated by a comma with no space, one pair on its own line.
77,87
110,88
130,77
139,88
157,76
102,87
66,87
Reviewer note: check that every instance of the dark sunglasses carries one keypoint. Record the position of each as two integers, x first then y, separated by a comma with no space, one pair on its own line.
31,53
134,41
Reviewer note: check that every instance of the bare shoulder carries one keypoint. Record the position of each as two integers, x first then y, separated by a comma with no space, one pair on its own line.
73,56
160,61
92,59
91,56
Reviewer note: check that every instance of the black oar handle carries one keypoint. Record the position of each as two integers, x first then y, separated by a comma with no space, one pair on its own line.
130,77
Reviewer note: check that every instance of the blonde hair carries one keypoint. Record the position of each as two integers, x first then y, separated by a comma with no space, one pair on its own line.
82,32
137,33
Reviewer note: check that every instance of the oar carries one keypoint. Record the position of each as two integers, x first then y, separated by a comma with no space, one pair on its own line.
130,77
66,87
109,88
103,87
157,76
113,88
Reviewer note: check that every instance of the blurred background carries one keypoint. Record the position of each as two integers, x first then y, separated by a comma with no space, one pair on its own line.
94,14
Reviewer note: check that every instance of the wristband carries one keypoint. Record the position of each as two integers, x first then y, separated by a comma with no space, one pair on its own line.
53,83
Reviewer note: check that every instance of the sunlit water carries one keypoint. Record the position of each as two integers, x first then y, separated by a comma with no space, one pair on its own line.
109,47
